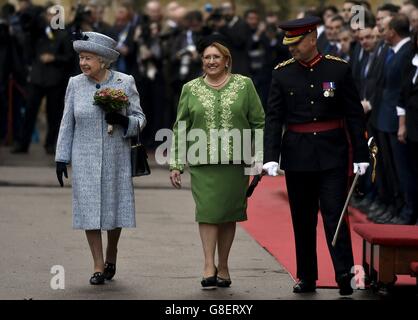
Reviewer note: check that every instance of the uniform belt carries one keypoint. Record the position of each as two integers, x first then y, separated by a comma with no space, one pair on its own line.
315,126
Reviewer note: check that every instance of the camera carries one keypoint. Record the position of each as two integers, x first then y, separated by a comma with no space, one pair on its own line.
216,15
83,14
32,21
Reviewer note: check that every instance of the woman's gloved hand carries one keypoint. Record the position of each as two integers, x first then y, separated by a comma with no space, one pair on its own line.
61,169
117,118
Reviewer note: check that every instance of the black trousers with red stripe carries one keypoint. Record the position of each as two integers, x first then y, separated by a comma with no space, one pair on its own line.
308,192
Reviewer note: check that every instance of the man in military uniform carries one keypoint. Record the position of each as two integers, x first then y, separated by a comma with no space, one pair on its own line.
315,98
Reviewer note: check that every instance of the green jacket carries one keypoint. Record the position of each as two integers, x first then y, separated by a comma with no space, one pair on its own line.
225,121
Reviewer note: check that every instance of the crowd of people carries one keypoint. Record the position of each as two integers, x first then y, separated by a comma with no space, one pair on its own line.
157,47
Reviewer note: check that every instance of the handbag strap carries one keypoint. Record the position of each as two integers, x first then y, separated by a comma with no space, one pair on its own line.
138,136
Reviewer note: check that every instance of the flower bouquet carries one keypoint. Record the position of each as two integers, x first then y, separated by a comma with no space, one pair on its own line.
111,100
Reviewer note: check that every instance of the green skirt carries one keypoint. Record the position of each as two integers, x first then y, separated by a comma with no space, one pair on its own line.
219,192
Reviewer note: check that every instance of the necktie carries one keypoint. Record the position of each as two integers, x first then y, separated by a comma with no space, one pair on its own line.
367,65
389,55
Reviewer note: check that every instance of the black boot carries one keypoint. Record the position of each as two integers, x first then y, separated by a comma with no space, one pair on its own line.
303,286
344,283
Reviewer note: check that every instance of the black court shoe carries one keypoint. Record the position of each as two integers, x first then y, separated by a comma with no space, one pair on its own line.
210,282
109,270
223,283
97,278
304,286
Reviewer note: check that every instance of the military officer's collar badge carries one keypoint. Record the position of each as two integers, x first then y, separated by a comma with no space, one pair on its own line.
329,88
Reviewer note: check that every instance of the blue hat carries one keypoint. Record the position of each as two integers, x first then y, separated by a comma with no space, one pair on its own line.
296,29
97,43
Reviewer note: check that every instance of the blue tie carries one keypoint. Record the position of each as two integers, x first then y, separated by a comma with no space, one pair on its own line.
389,55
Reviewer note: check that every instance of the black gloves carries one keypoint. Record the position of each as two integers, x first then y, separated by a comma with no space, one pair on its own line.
117,118
61,169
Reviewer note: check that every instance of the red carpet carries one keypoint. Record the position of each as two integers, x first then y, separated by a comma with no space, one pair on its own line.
269,223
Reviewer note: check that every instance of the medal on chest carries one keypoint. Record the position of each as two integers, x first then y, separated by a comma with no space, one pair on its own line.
328,88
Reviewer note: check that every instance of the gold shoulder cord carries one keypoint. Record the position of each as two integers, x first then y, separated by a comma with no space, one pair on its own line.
285,63
331,57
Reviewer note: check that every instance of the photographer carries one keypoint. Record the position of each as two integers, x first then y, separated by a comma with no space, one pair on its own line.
152,82
47,78
185,58
237,33
83,19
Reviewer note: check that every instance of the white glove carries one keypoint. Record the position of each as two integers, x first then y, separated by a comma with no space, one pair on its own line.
360,167
271,168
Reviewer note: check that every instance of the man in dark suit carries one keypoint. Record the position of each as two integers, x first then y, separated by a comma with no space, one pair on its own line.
238,34
52,56
383,206
408,128
366,86
315,98
333,27
396,34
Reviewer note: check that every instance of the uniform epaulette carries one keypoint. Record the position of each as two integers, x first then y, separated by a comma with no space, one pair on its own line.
284,63
330,57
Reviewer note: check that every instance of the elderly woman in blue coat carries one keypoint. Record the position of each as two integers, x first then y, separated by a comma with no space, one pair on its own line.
103,195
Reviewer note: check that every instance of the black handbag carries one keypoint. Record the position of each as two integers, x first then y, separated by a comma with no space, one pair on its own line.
139,162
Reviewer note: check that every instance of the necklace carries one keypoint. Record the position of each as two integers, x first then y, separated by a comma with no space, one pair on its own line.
217,84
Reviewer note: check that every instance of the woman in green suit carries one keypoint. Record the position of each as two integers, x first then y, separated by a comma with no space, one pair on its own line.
222,103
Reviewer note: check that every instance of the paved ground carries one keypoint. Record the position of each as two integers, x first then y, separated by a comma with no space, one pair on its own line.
160,259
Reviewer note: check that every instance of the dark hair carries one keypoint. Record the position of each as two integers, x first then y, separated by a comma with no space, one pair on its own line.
194,15
392,8
369,19
400,23
314,13
337,18
356,3
345,28
333,8
366,4
207,41
249,11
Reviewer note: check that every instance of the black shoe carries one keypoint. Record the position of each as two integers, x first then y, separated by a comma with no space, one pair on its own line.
378,211
97,278
304,286
223,283
210,282
399,220
365,204
109,270
344,283
386,216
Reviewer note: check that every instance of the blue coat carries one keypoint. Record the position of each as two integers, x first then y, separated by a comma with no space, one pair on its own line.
103,195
